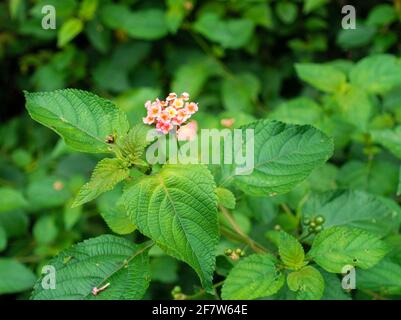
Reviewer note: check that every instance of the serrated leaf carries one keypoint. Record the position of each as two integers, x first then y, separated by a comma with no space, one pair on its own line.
95,262
135,142
83,119
11,199
177,209
114,213
291,251
356,209
225,198
336,247
106,175
284,155
14,276
377,73
253,277
308,283
324,77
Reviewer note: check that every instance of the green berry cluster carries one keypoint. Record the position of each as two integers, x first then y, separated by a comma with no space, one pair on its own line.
177,293
234,254
315,225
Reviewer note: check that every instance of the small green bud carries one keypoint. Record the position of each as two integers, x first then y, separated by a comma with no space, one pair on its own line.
238,251
277,227
313,224
228,252
318,229
311,230
242,254
307,221
176,290
320,220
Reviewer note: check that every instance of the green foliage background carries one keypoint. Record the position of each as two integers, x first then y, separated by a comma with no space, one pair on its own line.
240,59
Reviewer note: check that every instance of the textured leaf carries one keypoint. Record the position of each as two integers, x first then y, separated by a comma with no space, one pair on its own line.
353,209
225,198
390,139
177,209
14,276
308,283
284,155
377,74
253,277
324,77
114,213
337,247
11,199
291,251
94,263
83,119
107,174
134,143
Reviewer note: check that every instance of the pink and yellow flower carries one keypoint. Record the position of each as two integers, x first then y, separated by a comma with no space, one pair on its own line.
172,112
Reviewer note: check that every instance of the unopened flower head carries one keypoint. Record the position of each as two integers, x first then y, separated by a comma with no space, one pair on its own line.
172,112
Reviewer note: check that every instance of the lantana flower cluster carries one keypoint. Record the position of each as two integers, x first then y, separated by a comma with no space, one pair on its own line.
173,111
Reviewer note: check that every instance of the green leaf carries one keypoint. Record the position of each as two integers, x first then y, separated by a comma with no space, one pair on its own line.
83,119
390,139
177,209
95,263
106,175
377,74
230,33
147,24
356,209
312,5
14,276
339,246
193,75
11,199
114,213
239,93
399,184
68,31
300,110
291,251
356,38
134,144
253,277
15,223
261,14
45,230
284,155
287,11
225,198
47,192
355,107
323,77
175,14
308,283
382,15
3,238
332,287
385,276
87,9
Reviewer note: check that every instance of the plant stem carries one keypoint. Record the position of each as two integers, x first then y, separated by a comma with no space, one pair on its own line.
247,240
